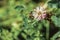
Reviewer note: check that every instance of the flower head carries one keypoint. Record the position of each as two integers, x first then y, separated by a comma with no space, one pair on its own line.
39,13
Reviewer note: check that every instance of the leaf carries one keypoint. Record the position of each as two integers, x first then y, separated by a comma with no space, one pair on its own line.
56,21
55,36
20,8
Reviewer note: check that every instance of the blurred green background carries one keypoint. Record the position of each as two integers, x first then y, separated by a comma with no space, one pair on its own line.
15,23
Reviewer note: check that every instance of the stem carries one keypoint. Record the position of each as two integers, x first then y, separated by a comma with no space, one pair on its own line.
47,33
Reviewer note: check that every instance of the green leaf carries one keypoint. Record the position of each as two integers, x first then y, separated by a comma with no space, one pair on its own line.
56,21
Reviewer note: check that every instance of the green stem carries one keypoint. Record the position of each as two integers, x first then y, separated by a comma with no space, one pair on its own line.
47,33
47,30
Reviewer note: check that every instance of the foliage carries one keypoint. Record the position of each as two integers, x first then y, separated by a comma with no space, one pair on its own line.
15,23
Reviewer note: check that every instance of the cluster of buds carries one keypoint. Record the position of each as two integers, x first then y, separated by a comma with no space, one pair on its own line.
39,13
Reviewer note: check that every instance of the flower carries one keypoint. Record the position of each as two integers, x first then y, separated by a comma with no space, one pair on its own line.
39,13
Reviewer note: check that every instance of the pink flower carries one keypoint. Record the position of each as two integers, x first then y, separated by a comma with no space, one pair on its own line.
39,13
